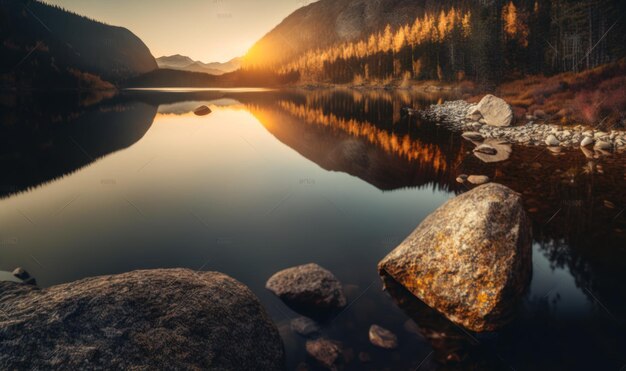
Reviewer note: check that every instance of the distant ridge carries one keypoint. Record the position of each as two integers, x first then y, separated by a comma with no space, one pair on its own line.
184,63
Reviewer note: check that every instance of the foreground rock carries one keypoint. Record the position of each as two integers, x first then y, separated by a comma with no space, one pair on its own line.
470,259
202,111
156,319
383,338
309,289
327,352
495,111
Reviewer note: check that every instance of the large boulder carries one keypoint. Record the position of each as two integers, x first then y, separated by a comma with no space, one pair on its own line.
308,289
470,259
155,319
495,111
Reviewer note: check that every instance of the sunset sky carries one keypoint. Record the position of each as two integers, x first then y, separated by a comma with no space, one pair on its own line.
206,30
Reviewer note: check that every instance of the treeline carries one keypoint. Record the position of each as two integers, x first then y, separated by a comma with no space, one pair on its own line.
482,40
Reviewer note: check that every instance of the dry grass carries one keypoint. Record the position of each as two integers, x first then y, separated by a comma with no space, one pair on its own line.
593,97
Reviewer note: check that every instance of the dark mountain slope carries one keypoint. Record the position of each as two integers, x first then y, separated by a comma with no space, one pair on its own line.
43,45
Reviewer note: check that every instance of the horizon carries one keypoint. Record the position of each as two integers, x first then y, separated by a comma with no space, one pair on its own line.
186,33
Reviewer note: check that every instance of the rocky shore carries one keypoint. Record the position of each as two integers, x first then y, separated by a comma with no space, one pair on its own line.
461,116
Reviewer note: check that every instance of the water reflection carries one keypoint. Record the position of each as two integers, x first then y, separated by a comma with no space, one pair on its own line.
265,175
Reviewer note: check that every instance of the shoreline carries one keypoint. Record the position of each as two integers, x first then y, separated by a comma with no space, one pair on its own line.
533,132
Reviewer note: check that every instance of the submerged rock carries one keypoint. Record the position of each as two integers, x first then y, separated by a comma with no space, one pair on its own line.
470,259
327,352
495,111
305,326
309,289
383,338
155,319
202,111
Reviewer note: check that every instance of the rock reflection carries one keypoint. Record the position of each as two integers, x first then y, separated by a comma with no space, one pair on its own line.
453,347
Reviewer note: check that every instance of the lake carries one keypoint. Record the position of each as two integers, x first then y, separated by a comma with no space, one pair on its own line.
271,179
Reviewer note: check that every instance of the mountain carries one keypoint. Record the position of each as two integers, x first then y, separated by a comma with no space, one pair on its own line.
486,41
184,63
327,22
44,45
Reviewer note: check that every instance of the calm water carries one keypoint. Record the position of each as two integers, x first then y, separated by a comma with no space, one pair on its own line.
273,179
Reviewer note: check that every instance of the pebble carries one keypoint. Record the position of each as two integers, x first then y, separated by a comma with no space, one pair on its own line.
602,145
478,179
305,326
586,142
552,141
383,338
472,135
327,352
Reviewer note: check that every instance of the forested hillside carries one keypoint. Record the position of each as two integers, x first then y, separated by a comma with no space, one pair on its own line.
46,46
481,40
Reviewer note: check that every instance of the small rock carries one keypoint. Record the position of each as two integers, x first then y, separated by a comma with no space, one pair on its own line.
365,357
411,327
478,179
608,204
540,114
21,273
586,142
305,326
308,288
326,352
486,149
602,145
552,141
382,337
202,111
472,135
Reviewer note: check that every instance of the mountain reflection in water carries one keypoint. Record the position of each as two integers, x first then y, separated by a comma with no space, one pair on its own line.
576,204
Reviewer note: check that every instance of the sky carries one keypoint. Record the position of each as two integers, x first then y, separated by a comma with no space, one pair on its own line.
205,30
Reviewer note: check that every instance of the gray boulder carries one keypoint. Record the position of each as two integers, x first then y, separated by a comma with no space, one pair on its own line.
470,259
495,111
309,289
154,319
